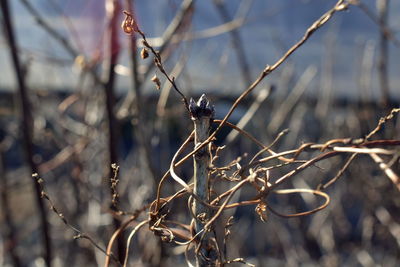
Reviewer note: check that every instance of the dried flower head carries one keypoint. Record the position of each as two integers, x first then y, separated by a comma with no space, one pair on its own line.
129,24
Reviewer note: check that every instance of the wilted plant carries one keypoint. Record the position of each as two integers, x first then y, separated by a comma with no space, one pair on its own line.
211,186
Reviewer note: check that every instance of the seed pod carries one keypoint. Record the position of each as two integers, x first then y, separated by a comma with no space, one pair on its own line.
144,53
156,81
129,24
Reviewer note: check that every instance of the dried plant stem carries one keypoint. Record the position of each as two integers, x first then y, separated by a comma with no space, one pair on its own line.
113,238
144,143
79,234
339,6
236,42
340,172
9,226
64,42
202,113
383,27
123,226
384,53
259,100
201,162
172,28
387,170
27,124
166,38
133,232
50,29
286,107
109,84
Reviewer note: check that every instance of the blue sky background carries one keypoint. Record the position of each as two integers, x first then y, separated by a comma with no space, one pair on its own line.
271,28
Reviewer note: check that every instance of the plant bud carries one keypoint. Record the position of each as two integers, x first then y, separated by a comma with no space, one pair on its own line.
144,53
156,81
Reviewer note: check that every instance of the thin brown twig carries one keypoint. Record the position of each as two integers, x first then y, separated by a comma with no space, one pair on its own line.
394,178
382,121
130,26
277,138
246,118
190,138
64,42
171,30
166,38
160,184
339,6
303,167
49,29
300,190
114,237
339,174
10,228
225,203
79,233
128,242
365,142
144,143
27,125
123,226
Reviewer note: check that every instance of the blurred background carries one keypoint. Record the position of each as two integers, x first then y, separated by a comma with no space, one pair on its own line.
77,97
